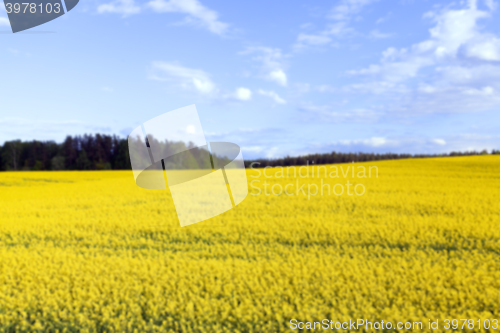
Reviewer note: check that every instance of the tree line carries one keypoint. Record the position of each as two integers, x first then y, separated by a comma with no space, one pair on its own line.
105,152
87,152
335,157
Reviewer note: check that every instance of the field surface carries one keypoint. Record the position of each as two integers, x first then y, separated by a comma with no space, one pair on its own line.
92,252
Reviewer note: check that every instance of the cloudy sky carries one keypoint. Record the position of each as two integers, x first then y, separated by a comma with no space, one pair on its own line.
278,78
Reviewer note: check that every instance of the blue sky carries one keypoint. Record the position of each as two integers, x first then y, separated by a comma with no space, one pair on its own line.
277,78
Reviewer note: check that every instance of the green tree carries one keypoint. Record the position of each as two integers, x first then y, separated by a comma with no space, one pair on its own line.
57,163
83,162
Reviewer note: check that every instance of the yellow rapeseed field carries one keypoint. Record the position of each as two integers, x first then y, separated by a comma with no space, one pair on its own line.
92,252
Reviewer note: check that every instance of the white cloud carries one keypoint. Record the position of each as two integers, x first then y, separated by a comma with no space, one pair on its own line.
461,62
348,8
253,149
383,18
415,145
203,85
318,39
125,7
278,76
375,142
184,77
197,13
107,89
339,29
440,98
191,79
272,63
371,142
492,5
337,114
488,49
273,95
341,16
469,75
373,87
270,58
380,35
455,29
4,21
313,39
440,142
485,91
243,94
396,71
270,152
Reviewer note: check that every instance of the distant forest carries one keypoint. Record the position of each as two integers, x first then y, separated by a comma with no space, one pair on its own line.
104,152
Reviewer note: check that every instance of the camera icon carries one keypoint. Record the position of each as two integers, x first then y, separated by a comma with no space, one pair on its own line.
205,179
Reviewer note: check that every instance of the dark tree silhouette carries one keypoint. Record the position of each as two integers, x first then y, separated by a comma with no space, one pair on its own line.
104,152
